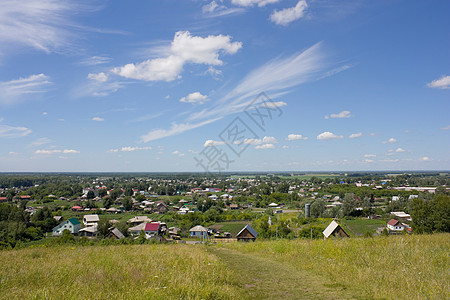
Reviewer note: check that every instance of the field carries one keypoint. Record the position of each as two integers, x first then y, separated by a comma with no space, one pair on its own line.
401,267
360,226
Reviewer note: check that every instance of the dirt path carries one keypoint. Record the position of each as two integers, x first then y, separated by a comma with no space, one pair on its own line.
264,278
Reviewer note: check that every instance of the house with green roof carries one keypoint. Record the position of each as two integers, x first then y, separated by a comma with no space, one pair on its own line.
72,224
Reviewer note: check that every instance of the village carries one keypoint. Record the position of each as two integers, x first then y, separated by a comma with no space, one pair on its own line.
199,209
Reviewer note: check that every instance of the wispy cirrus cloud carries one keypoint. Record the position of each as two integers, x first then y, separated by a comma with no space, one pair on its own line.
95,60
250,3
7,131
17,89
274,77
44,25
213,9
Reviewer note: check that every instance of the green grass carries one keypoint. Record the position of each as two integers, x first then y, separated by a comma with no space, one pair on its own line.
114,272
401,267
360,226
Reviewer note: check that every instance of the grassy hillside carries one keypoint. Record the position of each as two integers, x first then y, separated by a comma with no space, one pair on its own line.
114,272
401,267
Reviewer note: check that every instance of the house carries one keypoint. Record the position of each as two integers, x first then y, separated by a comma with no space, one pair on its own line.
115,234
3,199
234,206
402,215
91,220
161,207
113,210
73,225
90,231
183,210
58,219
152,228
76,208
136,230
395,225
139,219
334,229
198,231
247,234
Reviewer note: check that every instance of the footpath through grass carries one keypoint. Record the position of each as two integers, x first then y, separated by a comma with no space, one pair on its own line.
259,277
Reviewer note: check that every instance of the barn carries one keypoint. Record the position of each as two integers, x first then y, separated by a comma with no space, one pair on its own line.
247,234
334,229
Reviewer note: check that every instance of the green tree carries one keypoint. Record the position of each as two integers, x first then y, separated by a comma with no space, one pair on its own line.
127,203
103,227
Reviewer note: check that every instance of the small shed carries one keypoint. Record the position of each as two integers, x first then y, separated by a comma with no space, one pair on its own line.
115,234
334,229
247,234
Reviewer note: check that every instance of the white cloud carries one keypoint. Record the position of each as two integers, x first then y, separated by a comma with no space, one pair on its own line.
446,127
113,150
399,150
45,113
41,24
249,3
269,140
295,137
369,155
265,140
390,141
328,136
368,160
211,143
265,146
194,98
185,48
343,114
425,158
390,160
355,135
174,129
372,134
98,119
17,88
50,152
70,151
13,153
102,77
441,83
176,152
130,149
7,131
41,141
285,147
95,60
288,15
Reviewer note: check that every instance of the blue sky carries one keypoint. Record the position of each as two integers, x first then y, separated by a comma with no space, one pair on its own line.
160,85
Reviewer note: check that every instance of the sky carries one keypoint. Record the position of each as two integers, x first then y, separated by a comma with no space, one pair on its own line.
231,85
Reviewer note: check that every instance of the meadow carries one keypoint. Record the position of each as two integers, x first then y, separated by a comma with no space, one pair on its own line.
401,267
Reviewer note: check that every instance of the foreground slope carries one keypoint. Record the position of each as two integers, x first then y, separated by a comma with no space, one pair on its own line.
401,267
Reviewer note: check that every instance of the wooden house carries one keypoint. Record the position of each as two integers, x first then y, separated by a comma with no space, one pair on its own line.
334,229
115,234
247,234
198,231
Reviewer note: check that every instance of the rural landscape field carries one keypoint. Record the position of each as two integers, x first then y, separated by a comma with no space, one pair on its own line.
224,149
363,268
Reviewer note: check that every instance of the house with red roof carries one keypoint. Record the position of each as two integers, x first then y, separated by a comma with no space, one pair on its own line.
153,228
395,225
